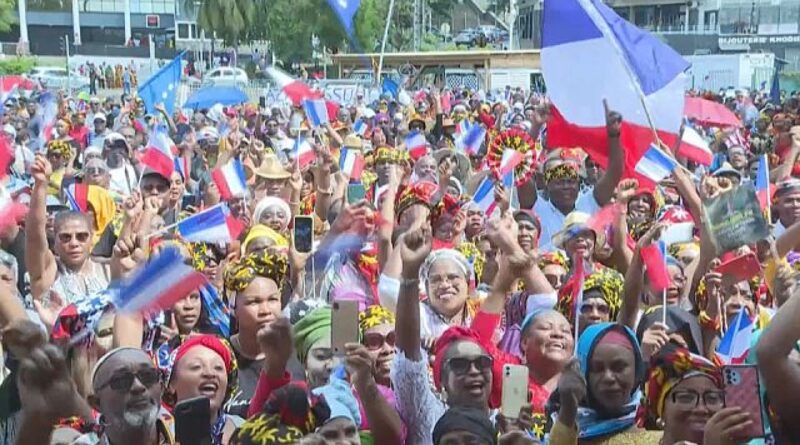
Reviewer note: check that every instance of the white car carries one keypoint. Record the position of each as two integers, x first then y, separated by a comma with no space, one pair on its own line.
226,76
58,78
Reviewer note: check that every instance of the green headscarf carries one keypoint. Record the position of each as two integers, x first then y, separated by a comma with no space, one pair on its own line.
310,329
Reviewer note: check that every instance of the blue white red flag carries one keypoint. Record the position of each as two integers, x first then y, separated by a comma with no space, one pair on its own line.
416,145
590,54
212,225
230,180
360,127
694,148
77,197
762,183
351,163
735,344
655,165
303,152
484,196
158,284
219,315
316,112
473,138
295,90
158,154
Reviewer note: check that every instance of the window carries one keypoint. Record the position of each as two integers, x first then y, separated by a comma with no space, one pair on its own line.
183,31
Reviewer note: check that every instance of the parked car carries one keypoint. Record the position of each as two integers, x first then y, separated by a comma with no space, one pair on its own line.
226,76
491,32
467,36
55,78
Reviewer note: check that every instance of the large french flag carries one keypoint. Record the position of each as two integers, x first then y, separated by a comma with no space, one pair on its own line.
590,54
158,284
351,163
230,180
77,197
213,225
296,90
735,344
694,148
159,153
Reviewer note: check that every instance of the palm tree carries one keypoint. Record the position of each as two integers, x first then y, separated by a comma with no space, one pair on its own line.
231,20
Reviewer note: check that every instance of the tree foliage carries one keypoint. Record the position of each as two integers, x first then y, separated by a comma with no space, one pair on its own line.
7,14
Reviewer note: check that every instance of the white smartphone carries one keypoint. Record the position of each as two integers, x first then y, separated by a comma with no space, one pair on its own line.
515,390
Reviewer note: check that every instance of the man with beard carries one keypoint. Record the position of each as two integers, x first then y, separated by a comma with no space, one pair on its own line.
117,155
126,392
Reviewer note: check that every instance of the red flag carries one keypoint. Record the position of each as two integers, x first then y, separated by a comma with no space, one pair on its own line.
655,262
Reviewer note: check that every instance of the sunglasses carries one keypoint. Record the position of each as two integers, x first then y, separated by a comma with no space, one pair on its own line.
82,237
375,341
122,382
158,188
462,365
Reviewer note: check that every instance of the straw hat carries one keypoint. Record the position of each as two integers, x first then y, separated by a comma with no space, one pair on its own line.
447,122
352,141
271,168
417,118
574,223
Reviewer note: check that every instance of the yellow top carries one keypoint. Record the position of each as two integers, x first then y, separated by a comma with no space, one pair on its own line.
564,435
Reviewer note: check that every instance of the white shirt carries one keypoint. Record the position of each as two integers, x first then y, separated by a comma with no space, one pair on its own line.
778,230
123,180
552,219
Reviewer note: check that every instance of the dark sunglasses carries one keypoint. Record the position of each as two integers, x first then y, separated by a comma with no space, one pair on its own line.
123,382
375,341
82,237
462,365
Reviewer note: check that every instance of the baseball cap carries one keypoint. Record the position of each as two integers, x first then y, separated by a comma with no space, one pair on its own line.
100,116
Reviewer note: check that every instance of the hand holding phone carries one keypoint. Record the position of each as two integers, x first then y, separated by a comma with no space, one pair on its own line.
192,421
515,390
742,390
355,193
303,233
344,325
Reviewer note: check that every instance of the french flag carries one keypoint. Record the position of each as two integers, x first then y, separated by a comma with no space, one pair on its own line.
416,145
463,127
230,180
360,127
159,153
590,54
762,182
694,148
735,344
77,197
11,212
654,258
182,166
351,163
317,112
296,90
158,284
511,159
484,196
656,165
303,152
212,225
473,139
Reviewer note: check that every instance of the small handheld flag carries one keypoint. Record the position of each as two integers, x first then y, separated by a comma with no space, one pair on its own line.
230,180
473,139
351,163
159,153
762,185
416,145
360,127
212,225
303,152
656,266
77,197
484,196
316,112
735,344
655,164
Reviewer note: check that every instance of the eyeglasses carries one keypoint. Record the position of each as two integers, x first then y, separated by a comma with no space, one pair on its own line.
82,237
157,188
375,341
601,308
122,382
462,365
690,398
95,171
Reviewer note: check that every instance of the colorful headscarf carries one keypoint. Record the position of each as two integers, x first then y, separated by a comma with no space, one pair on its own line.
373,316
448,205
264,429
475,258
668,367
296,407
441,254
262,231
566,170
608,281
390,155
310,329
239,274
201,254
219,346
448,337
103,206
58,146
419,193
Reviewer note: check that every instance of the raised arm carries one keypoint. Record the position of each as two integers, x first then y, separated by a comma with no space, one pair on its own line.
323,183
39,260
634,280
414,248
604,190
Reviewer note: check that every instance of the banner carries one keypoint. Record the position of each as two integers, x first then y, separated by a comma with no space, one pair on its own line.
734,219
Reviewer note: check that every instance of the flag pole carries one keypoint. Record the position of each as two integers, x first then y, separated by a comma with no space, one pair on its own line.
769,195
383,42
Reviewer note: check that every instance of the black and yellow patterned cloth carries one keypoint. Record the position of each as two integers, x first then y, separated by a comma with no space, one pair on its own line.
204,253
390,155
374,315
567,170
608,281
474,257
240,273
59,147
265,429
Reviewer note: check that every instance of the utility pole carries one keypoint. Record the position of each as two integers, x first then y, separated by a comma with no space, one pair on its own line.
69,71
415,25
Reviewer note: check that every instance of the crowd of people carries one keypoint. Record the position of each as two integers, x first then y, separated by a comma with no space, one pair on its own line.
452,294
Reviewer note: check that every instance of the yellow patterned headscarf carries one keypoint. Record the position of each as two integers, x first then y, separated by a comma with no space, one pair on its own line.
262,231
474,256
239,274
610,284
201,254
59,147
390,155
264,429
373,316
567,170
555,257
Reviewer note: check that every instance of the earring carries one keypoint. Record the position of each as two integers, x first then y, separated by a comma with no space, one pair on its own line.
660,423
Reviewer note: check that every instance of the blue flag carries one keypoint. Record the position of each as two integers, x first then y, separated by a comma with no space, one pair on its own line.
390,86
775,91
345,10
162,87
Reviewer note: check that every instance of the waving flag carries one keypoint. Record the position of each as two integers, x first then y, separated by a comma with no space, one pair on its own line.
182,166
654,258
360,127
303,152
77,197
655,165
694,148
158,284
590,54
484,196
162,87
473,138
416,145
351,163
679,225
345,10
511,159
735,344
463,127
230,180
77,322
296,90
49,114
316,112
212,225
762,183
159,153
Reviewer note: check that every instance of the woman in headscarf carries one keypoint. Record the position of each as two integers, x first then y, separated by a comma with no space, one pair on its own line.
683,391
262,238
59,153
602,298
464,425
554,265
274,213
205,366
209,258
598,393
255,288
376,324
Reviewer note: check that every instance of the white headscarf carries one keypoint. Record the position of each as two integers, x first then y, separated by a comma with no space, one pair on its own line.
269,202
443,254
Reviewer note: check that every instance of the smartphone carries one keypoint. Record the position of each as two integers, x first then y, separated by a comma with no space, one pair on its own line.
344,325
192,418
303,234
355,192
738,269
515,390
742,390
262,102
